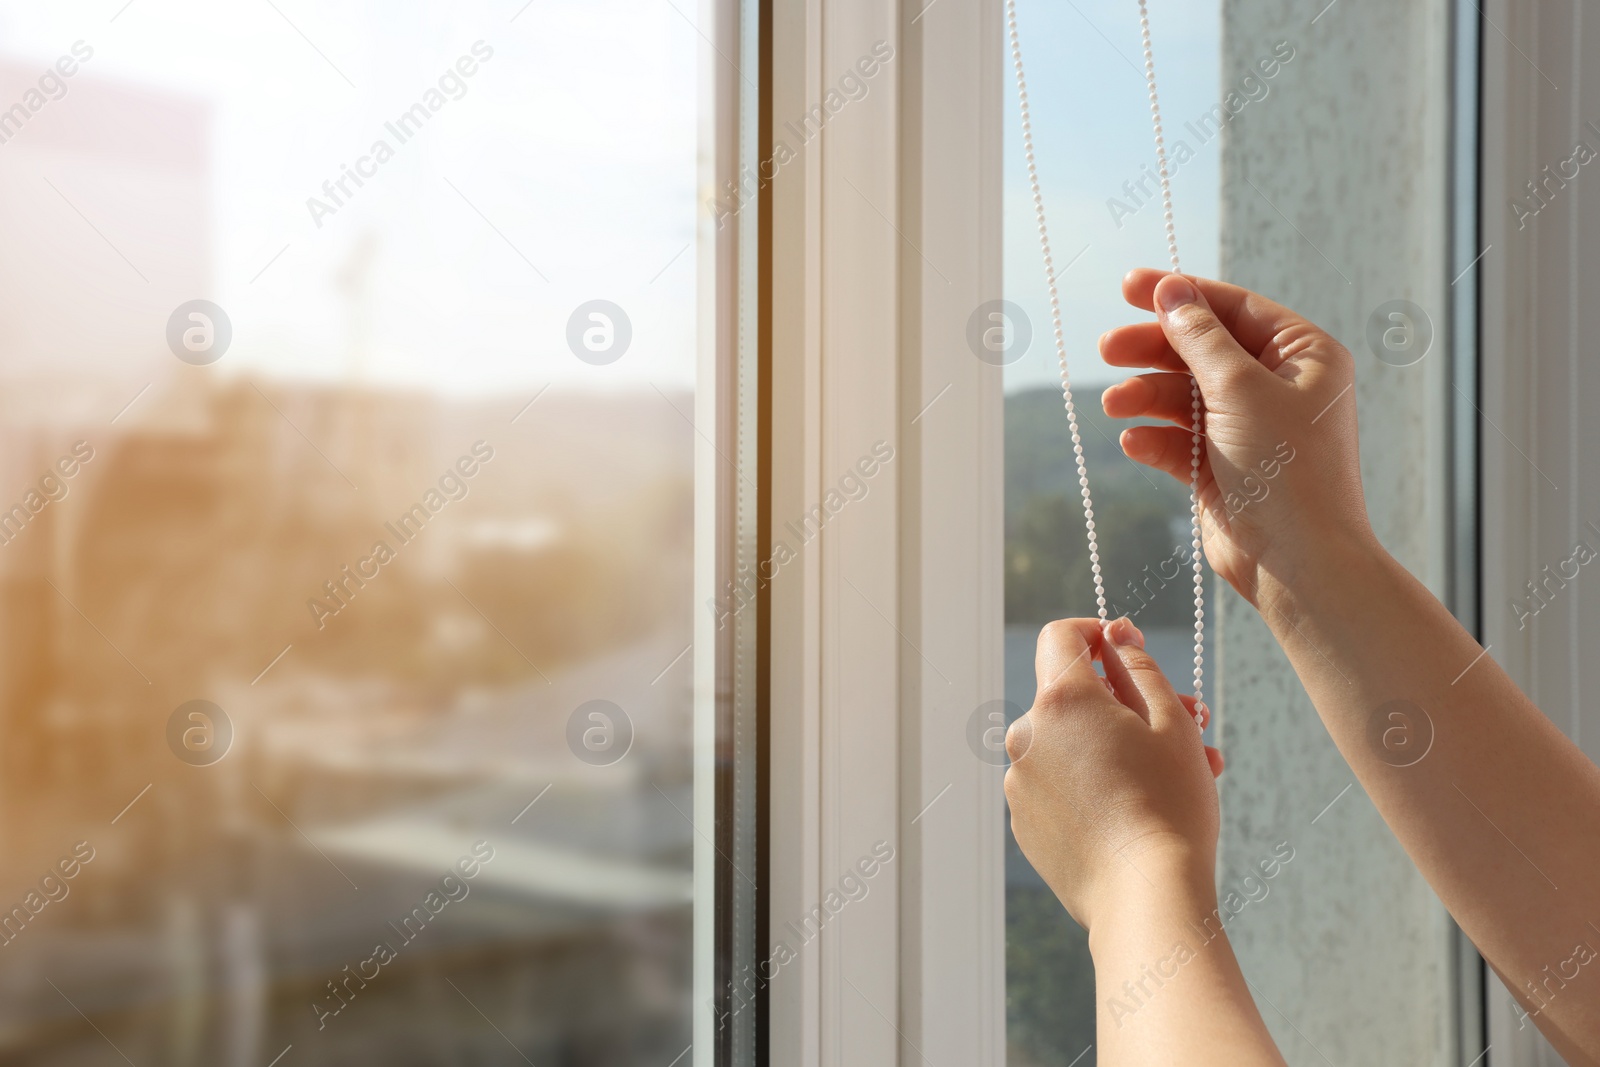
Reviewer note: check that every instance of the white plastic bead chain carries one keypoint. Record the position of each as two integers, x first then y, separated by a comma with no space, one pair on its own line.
1061,345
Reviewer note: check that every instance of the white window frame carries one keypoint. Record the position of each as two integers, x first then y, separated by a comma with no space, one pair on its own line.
1536,315
886,629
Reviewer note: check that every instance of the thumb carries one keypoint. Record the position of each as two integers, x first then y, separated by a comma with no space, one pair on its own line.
1139,682
1204,344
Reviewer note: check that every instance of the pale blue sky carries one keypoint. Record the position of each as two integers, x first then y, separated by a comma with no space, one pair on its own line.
1092,133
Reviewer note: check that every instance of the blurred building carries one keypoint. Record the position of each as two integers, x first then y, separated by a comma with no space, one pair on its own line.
421,717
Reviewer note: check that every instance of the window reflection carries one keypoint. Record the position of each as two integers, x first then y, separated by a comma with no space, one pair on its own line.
345,608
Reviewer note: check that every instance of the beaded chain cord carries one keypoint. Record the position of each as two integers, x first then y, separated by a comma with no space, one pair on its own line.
1061,345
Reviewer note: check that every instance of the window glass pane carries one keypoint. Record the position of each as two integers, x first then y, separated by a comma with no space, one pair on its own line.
347,369
1096,157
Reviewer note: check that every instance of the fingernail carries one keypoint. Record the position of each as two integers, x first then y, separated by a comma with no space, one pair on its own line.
1125,634
1174,292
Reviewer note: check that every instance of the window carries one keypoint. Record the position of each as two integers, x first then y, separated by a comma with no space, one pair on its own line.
350,373
504,540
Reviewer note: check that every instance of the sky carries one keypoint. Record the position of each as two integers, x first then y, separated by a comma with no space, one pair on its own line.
1092,133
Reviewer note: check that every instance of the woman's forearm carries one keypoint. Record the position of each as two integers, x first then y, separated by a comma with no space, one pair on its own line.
1500,811
1167,986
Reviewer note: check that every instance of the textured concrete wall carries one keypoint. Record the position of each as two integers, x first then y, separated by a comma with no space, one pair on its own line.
1334,202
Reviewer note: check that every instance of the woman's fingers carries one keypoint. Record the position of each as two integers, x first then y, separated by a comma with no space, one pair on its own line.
1269,333
1213,755
1152,396
1139,681
1166,448
1143,344
1189,704
1067,647
1116,670
1250,317
1213,355
1118,679
1122,655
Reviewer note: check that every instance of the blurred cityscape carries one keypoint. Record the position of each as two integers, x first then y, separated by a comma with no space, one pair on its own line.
226,912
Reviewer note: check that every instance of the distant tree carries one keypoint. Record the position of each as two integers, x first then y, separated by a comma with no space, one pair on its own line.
1049,979
1047,560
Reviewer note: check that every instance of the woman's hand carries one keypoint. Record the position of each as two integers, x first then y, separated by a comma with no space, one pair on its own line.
1110,787
1279,475
1112,801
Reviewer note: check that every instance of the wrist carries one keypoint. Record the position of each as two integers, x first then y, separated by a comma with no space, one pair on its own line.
1151,893
1291,588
